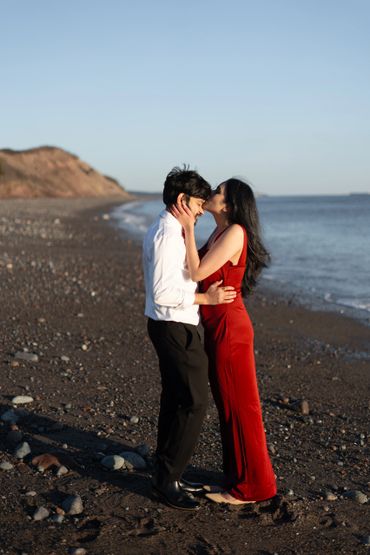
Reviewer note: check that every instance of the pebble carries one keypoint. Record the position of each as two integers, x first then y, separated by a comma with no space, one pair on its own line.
305,407
22,450
113,462
5,465
64,358
329,496
41,513
30,493
22,399
134,420
73,505
29,357
45,461
357,496
133,460
77,551
62,470
57,518
10,416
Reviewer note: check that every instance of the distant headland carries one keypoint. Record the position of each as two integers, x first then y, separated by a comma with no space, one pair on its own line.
49,171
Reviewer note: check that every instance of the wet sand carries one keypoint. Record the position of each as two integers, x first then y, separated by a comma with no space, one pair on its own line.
72,294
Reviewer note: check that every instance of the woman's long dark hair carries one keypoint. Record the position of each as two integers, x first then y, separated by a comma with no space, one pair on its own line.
243,211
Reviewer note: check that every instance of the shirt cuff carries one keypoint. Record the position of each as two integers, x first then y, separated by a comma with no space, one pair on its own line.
189,299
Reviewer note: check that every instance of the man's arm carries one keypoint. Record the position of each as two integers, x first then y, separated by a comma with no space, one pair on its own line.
165,266
216,295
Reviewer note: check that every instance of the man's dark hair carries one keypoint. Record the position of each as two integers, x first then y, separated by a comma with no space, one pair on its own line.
184,180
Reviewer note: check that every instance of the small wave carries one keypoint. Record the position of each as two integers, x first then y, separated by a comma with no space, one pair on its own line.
355,303
130,220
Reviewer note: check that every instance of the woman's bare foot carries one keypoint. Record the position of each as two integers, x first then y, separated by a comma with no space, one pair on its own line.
213,489
226,498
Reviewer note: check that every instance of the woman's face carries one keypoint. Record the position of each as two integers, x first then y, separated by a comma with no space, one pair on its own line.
216,204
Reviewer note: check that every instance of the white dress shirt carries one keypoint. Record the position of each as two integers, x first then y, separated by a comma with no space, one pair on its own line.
170,293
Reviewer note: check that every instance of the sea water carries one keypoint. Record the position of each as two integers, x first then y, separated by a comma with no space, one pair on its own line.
319,245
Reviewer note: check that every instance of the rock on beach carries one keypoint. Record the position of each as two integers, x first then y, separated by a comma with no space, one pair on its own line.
133,460
22,399
113,462
73,505
22,450
28,357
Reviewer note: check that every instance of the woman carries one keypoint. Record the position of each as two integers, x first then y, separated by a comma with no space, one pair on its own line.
234,254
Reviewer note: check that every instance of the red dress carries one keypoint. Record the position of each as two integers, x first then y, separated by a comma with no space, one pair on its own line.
228,336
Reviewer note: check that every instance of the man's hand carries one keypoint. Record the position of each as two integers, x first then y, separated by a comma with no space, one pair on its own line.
220,295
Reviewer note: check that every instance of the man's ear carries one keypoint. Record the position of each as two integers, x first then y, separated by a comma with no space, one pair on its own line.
180,198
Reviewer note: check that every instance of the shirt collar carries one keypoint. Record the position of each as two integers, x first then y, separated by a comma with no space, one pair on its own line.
169,219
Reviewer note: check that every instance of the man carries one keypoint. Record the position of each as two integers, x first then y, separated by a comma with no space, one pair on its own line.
173,315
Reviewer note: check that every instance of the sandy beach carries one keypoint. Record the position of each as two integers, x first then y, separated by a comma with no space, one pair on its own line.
73,338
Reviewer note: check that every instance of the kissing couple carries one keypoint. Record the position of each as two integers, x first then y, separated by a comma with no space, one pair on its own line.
180,282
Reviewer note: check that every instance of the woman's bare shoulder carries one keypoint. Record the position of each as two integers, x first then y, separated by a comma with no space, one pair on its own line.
235,230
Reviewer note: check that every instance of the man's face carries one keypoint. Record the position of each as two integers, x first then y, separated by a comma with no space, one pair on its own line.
196,206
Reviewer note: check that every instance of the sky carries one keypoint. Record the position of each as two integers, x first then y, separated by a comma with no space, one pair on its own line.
274,91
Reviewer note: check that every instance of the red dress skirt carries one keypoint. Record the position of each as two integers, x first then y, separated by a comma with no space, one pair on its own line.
228,336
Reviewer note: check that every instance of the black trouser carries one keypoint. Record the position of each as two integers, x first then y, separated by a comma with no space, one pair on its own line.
184,373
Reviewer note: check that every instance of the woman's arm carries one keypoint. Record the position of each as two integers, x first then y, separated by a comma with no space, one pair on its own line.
221,251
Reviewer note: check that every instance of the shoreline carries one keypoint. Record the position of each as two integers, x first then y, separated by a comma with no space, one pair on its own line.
72,292
136,224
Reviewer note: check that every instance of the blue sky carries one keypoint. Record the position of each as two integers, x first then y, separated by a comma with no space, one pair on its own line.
276,91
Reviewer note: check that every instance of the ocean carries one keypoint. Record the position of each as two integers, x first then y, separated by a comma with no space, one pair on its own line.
319,245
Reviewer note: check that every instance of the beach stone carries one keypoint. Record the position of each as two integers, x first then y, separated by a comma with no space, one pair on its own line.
10,416
133,460
73,505
5,465
45,461
305,407
22,399
22,450
113,462
134,420
57,518
357,496
29,357
62,470
329,496
77,551
41,513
